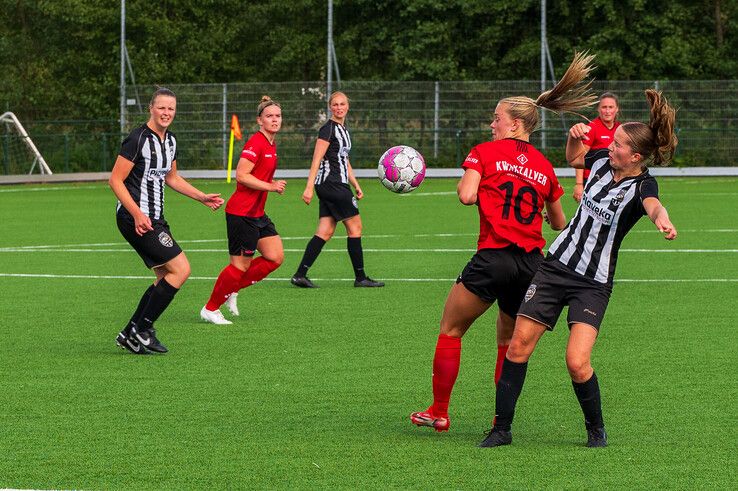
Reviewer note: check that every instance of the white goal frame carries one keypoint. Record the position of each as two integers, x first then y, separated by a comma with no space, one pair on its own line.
10,119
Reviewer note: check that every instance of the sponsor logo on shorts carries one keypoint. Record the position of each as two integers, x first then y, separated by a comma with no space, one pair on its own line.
590,312
354,202
531,291
165,239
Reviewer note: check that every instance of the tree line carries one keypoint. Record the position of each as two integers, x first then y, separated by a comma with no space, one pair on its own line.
60,59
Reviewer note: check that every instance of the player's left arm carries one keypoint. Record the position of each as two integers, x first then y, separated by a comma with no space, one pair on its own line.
179,184
660,217
353,181
555,216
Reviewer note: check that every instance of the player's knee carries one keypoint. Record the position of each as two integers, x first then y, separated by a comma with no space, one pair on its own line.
519,350
325,234
578,366
278,259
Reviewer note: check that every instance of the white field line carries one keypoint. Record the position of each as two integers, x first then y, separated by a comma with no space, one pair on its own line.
84,247
427,250
67,188
403,280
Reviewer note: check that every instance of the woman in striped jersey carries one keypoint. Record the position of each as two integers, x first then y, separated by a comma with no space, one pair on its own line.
146,162
330,176
580,266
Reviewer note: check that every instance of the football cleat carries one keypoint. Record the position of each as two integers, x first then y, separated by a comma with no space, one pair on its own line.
231,303
213,316
130,344
496,438
302,282
596,437
148,339
426,418
368,283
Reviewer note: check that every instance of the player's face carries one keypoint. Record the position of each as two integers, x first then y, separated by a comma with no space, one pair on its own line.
608,110
339,106
622,156
503,125
270,119
163,110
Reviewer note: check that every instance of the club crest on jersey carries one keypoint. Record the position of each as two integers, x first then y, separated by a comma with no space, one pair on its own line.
531,291
165,239
618,199
522,159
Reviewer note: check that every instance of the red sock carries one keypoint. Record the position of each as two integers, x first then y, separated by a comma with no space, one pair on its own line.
501,352
258,270
226,284
445,370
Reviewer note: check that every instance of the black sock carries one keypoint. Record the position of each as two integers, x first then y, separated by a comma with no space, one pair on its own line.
356,253
312,251
588,394
508,391
160,298
141,304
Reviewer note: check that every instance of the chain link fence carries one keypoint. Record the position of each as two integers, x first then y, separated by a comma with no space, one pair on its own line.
442,120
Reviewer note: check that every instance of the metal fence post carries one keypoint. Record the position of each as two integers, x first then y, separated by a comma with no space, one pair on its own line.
225,127
436,111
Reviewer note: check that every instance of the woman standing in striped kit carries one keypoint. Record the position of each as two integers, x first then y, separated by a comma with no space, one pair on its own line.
330,176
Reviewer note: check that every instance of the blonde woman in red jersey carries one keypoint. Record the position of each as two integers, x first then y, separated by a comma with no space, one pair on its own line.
510,182
249,228
597,134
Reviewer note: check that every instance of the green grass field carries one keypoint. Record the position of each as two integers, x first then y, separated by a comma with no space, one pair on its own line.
312,388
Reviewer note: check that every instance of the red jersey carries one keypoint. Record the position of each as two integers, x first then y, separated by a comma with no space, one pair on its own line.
247,202
516,182
598,137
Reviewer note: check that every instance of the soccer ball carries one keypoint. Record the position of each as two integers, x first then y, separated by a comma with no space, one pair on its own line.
401,169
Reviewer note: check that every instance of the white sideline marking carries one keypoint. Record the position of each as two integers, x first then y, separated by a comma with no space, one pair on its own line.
67,188
403,280
464,250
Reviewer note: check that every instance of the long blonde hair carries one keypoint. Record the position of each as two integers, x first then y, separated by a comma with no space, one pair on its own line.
656,138
568,95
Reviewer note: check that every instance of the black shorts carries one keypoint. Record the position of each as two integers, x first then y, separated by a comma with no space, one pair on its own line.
554,286
502,275
244,233
156,247
336,200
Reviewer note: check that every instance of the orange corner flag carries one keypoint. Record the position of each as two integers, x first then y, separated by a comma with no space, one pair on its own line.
235,127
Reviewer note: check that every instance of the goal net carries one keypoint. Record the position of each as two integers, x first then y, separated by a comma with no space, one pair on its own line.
18,154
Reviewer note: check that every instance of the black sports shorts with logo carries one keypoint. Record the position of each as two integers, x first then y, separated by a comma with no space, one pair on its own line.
336,200
156,247
502,275
554,286
244,233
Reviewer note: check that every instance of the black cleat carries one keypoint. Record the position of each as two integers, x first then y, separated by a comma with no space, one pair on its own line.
130,343
496,438
148,340
596,437
368,283
302,282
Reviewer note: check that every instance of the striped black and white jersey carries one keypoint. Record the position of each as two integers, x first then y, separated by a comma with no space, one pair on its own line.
152,160
334,166
608,210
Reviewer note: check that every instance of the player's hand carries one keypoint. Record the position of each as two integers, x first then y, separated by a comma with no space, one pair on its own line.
142,223
666,227
278,186
577,194
579,131
359,193
213,201
307,195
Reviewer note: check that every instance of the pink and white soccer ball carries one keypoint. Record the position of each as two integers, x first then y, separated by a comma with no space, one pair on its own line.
401,169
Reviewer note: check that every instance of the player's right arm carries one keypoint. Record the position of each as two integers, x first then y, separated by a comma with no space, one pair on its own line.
469,186
245,177
321,147
120,172
575,147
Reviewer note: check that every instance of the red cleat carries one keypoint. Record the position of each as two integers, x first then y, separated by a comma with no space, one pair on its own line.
426,418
